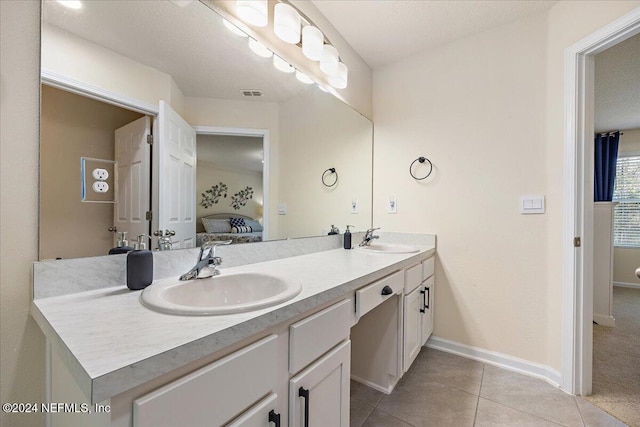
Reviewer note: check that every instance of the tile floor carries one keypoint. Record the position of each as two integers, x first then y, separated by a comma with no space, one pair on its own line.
443,390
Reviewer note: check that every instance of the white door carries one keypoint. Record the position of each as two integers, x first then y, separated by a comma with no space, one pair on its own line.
133,160
174,176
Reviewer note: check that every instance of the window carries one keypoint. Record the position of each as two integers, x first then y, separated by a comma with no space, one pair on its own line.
626,219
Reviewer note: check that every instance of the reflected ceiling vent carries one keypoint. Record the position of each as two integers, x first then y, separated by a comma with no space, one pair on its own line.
251,92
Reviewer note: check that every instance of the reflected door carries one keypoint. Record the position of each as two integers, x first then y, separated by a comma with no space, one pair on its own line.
174,174
132,155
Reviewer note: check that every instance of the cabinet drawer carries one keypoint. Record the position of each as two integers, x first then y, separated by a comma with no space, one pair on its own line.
412,278
428,268
312,337
371,296
215,394
258,414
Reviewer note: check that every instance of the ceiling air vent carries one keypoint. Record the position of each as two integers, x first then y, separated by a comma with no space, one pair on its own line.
251,92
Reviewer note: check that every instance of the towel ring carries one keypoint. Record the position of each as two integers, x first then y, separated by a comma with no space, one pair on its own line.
324,174
421,159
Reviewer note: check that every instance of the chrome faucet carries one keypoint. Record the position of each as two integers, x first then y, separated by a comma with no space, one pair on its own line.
164,239
369,236
207,265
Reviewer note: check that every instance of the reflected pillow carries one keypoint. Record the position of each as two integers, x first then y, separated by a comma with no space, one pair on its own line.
236,222
212,225
255,225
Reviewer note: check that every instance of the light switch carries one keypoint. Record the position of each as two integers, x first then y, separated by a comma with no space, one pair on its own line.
532,204
392,206
354,205
282,209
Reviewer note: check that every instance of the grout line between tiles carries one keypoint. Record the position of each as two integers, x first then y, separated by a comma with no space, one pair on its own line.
579,411
475,415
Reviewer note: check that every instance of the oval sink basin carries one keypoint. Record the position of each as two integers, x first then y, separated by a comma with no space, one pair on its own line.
227,293
386,248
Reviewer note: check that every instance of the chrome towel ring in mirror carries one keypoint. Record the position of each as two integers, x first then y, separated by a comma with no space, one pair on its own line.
421,159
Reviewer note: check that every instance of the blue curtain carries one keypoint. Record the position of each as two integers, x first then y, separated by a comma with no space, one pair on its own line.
606,157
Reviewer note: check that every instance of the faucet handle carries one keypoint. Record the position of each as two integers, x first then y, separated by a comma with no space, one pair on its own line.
210,246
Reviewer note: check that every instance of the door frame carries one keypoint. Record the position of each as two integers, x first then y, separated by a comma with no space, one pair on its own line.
577,283
264,133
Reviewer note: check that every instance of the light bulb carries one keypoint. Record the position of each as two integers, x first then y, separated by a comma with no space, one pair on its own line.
259,49
329,60
253,12
312,42
71,4
235,30
303,77
339,80
286,23
282,65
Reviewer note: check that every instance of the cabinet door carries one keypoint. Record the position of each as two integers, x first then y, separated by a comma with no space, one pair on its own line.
427,290
319,395
412,327
259,415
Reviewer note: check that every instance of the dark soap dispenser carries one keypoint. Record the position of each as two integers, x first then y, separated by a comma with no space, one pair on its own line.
139,265
347,238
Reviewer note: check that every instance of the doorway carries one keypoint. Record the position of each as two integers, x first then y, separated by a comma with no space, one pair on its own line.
577,317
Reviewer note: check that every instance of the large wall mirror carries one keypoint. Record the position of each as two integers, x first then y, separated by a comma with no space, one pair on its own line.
231,135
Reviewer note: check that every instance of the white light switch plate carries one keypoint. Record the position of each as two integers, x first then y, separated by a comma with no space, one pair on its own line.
392,205
282,209
532,205
354,205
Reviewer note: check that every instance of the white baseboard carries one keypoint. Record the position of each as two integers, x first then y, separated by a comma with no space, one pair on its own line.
604,320
500,360
627,285
375,386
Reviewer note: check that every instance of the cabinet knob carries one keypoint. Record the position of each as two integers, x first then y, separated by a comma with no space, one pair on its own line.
386,290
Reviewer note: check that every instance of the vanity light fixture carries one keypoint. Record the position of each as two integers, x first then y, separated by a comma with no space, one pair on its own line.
235,30
339,80
282,65
303,77
259,49
286,23
253,12
312,42
71,4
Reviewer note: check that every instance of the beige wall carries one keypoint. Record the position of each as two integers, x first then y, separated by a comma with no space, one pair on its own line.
243,114
626,260
89,63
72,127
22,351
209,174
488,111
318,132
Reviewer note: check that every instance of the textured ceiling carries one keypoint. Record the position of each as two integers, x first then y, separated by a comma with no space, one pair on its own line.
383,31
617,87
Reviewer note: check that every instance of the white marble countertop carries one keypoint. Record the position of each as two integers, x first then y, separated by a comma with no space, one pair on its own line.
111,343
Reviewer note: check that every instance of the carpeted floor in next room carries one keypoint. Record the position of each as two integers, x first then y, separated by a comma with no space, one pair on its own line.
616,359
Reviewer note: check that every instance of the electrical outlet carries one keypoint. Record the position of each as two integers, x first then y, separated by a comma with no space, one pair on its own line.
354,206
392,207
100,174
100,187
